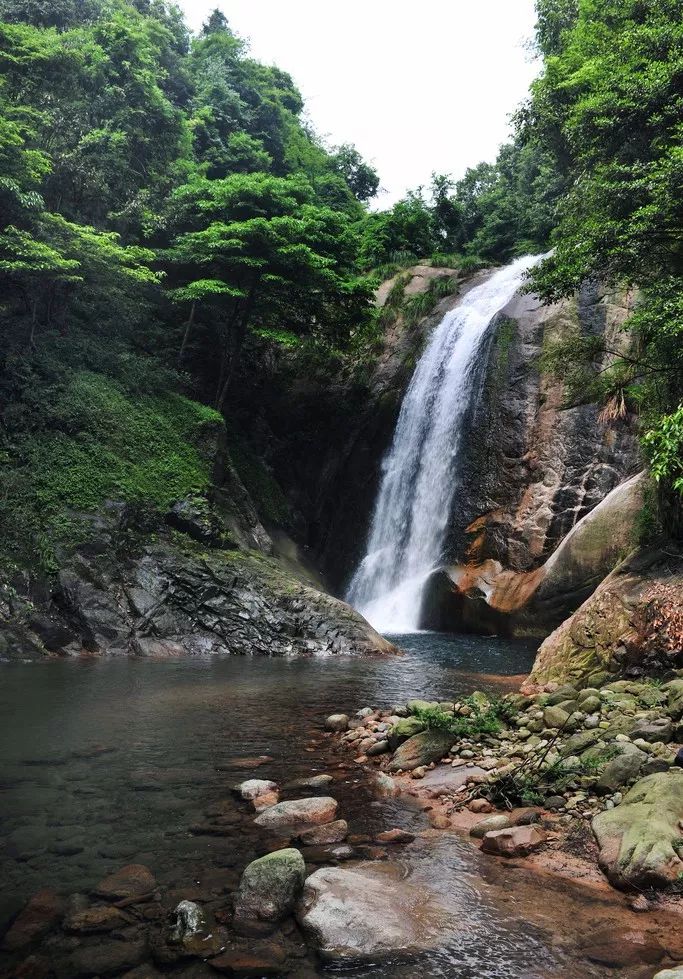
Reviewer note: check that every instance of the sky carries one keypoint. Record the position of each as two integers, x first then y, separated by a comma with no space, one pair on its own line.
418,87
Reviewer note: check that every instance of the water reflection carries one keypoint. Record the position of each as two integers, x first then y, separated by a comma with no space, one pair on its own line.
105,762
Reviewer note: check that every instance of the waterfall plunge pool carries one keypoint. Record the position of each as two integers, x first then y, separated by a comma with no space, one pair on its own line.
110,762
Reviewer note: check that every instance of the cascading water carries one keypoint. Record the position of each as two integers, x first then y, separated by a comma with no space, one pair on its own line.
420,472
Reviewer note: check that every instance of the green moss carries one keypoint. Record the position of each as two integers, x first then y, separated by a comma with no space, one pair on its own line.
98,443
269,499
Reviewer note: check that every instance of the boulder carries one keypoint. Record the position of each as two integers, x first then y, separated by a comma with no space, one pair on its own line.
370,912
337,722
421,749
675,973
385,786
270,887
637,838
620,771
555,717
489,825
299,813
615,628
333,832
674,691
518,841
39,915
255,787
404,729
132,881
655,729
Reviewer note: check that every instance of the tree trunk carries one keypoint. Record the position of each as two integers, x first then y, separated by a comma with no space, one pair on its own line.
186,335
238,340
34,320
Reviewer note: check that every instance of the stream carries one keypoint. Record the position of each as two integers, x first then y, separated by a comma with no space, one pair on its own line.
109,762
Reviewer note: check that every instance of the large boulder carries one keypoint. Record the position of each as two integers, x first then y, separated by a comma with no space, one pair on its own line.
640,840
421,749
166,600
369,912
270,887
299,814
629,622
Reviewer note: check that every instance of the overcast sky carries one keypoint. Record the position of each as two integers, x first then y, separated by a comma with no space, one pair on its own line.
418,86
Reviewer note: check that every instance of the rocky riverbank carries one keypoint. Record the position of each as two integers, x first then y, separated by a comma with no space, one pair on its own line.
582,781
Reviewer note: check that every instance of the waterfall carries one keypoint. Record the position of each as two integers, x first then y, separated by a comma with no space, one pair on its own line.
420,471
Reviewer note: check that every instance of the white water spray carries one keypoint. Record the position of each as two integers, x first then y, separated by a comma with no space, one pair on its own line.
420,472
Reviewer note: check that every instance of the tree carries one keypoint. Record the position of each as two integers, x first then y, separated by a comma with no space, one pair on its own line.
261,248
363,180
608,106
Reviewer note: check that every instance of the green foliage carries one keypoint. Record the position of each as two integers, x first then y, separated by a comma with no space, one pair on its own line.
608,107
535,778
664,444
481,720
99,443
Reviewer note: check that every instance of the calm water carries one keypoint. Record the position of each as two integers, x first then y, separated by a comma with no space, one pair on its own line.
102,763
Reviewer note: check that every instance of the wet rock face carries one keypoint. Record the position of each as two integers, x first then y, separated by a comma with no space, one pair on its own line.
369,912
536,467
638,839
169,600
532,470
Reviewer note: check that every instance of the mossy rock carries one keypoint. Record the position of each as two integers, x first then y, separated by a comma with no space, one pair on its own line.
421,749
404,729
640,840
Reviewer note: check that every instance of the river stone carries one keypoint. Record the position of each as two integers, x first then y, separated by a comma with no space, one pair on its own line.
337,722
38,916
555,717
421,749
579,742
132,881
102,917
565,692
311,782
394,836
370,912
299,813
333,832
636,838
518,841
657,729
107,958
385,786
488,825
270,887
255,787
675,698
404,729
260,959
675,973
620,771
